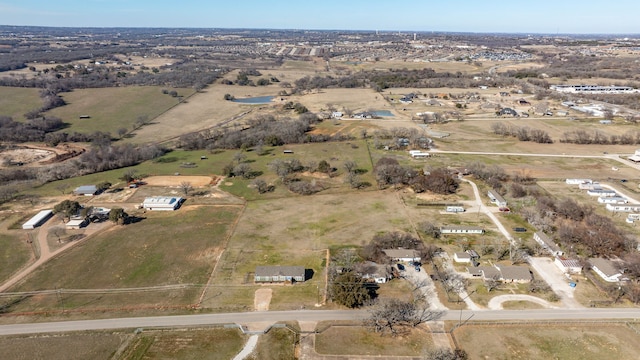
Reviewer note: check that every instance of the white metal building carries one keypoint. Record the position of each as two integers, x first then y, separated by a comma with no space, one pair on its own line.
166,203
39,219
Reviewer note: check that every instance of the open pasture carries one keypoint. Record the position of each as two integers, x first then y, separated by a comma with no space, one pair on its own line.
66,346
110,109
164,248
549,341
15,102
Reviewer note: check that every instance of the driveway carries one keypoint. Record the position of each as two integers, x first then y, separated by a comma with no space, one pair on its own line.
422,280
556,279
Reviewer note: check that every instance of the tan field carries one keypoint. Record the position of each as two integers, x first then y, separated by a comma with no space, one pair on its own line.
195,181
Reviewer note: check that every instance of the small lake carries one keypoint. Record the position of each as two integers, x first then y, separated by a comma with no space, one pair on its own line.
384,113
255,100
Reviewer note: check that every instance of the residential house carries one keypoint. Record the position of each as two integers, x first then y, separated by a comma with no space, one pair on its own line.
635,157
568,266
454,209
407,255
496,198
336,115
377,273
484,272
606,269
547,244
602,192
458,229
514,273
279,274
612,200
508,111
462,257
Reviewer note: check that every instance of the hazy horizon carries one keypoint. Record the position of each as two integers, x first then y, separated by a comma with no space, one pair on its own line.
587,17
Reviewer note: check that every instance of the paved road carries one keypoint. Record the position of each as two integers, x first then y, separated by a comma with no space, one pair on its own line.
308,315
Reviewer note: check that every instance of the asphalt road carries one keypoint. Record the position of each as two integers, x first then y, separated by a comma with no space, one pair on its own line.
307,315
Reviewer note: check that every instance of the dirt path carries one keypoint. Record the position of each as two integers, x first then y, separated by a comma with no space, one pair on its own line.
248,348
46,254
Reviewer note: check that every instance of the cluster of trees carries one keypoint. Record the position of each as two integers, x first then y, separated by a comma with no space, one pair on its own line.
390,137
598,137
263,130
393,240
30,130
182,75
577,227
388,171
493,175
522,133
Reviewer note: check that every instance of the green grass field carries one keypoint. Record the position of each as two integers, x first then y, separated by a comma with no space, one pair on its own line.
165,248
113,108
15,102
14,254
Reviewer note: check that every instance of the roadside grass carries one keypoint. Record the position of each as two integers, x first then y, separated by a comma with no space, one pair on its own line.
15,101
359,340
113,108
396,289
520,305
549,341
222,344
64,346
15,253
178,247
277,344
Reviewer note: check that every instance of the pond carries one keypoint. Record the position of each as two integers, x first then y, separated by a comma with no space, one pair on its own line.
255,100
382,113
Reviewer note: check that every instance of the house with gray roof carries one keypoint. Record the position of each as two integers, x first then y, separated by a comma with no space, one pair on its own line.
547,244
408,255
606,269
279,274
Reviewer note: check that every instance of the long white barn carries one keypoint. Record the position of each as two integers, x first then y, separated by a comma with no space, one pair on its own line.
160,203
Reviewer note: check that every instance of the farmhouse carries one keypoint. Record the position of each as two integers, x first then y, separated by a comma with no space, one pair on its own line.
497,198
86,190
281,274
454,209
407,255
456,229
623,208
38,219
166,203
568,266
547,244
484,272
605,269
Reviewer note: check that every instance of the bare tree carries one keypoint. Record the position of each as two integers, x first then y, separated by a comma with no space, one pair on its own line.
186,187
394,316
492,282
350,166
58,231
62,187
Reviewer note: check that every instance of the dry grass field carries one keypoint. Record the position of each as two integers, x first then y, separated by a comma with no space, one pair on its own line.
357,340
67,346
203,110
164,248
14,253
214,344
579,342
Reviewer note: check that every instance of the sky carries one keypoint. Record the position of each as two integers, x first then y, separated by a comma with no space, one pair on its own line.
481,16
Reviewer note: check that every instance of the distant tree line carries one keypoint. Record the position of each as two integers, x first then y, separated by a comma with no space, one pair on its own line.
30,130
598,137
522,133
262,130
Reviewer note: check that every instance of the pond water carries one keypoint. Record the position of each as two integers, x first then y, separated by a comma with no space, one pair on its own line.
255,100
382,113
